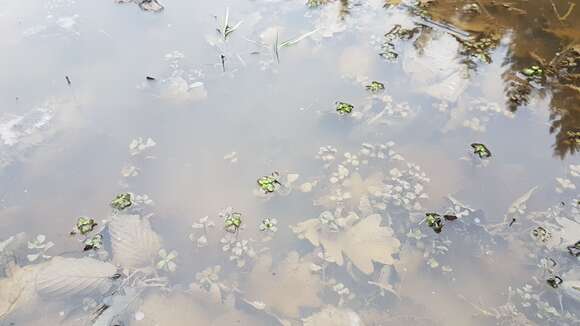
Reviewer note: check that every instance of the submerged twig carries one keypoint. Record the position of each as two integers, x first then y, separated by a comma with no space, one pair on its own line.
568,12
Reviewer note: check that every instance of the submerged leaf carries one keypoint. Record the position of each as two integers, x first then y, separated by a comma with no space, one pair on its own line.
134,243
65,277
118,305
332,316
285,288
363,242
18,290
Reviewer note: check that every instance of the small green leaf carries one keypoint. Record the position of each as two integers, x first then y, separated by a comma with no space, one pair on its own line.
344,108
84,225
94,243
481,150
375,86
122,201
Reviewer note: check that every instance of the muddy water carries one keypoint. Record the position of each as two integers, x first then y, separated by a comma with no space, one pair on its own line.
346,242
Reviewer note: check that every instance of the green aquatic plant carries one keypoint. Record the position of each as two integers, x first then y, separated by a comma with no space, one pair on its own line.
533,71
269,224
84,225
167,260
375,86
541,234
481,150
269,183
434,221
233,222
344,108
96,242
122,201
316,3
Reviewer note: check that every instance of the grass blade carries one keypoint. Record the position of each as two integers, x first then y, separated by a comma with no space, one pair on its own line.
298,39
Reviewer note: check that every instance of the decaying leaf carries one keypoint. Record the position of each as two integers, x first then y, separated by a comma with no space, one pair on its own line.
59,278
18,289
363,242
175,308
518,207
134,243
117,305
332,316
66,277
285,288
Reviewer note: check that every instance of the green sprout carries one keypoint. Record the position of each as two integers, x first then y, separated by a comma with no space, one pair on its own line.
481,150
375,86
95,242
344,108
533,71
233,222
434,221
269,224
122,201
84,225
269,183
227,29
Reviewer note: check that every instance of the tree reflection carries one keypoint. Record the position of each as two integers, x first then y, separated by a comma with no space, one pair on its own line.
545,34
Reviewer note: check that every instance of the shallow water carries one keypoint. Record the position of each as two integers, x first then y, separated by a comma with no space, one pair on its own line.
222,112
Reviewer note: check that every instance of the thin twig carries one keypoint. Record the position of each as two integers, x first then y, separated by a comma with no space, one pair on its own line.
570,8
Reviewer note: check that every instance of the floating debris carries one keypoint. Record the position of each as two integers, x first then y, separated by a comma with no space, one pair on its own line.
84,225
269,183
574,249
344,108
94,243
555,281
481,150
122,201
269,224
434,221
450,217
145,5
471,9
233,222
533,71
375,86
